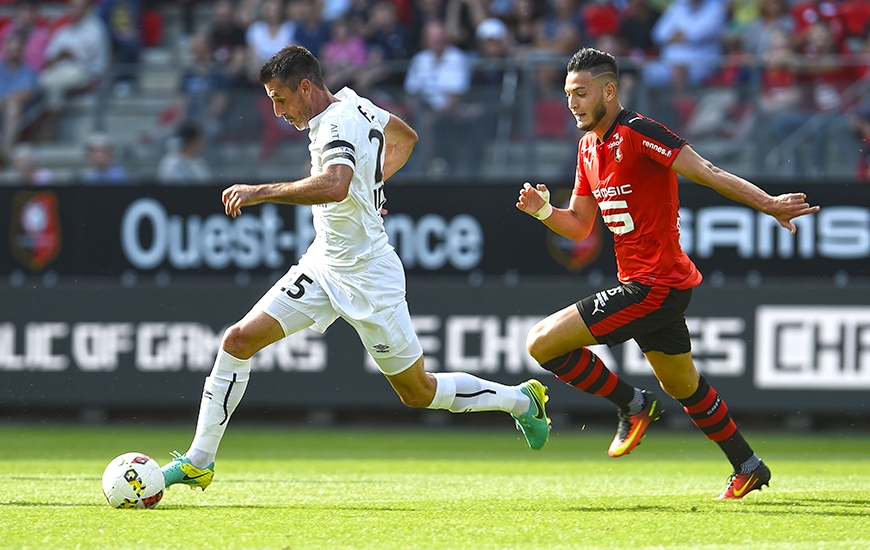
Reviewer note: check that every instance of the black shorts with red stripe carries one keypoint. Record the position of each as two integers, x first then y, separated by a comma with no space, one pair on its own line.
653,315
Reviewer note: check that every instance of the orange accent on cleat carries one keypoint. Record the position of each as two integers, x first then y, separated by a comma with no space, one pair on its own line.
631,428
739,485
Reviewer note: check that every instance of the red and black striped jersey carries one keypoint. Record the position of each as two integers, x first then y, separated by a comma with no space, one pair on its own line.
629,174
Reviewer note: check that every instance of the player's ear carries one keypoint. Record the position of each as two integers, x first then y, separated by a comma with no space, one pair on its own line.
610,90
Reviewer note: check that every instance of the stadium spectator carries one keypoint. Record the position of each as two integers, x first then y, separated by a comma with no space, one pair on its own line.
438,78
424,12
739,14
522,24
123,19
203,87
77,57
102,167
268,35
28,24
24,169
18,87
183,162
484,100
779,107
343,55
333,10
229,43
312,31
689,37
461,19
656,277
386,32
809,12
600,18
557,34
638,20
559,31
773,17
358,15
827,80
387,43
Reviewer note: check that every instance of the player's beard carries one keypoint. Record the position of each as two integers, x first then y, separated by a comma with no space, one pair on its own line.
595,117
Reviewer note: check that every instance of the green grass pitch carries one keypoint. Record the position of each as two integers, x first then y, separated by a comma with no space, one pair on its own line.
433,488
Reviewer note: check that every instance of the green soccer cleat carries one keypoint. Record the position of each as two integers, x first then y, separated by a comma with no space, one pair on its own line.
180,470
534,423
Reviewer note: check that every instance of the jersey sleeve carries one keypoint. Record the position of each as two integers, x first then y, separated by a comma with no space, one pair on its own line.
338,143
382,115
581,183
654,140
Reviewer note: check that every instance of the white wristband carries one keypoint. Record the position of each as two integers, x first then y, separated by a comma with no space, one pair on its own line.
544,212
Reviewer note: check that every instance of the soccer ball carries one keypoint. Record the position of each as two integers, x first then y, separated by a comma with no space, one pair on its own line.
133,480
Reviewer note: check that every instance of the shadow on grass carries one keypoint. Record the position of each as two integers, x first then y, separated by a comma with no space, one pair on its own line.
798,507
34,504
176,507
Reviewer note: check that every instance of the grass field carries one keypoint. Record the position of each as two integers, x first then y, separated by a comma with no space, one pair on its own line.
433,489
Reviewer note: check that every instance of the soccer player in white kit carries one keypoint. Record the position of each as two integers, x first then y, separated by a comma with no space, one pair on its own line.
349,271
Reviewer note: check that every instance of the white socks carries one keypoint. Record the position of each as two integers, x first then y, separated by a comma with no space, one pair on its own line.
222,393
461,392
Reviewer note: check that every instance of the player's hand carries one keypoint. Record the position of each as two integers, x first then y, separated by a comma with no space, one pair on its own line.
235,197
530,200
789,206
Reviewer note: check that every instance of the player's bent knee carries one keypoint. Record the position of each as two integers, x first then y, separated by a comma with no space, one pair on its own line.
536,344
236,343
415,399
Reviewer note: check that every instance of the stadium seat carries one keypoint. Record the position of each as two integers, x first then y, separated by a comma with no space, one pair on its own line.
551,118
275,130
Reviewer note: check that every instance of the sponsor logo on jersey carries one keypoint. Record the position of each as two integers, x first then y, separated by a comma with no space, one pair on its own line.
611,191
615,141
657,148
35,235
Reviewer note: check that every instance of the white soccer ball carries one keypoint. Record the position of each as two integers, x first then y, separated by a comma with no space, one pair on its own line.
133,480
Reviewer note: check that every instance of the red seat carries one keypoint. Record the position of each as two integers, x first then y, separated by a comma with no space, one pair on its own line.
275,130
551,118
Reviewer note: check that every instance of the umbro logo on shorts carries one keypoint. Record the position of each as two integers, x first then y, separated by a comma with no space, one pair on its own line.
381,348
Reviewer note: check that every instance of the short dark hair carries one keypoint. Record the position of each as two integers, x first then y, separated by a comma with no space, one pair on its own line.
595,61
290,66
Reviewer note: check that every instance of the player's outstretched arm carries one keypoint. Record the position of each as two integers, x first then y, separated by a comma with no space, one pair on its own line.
783,207
330,186
574,222
401,140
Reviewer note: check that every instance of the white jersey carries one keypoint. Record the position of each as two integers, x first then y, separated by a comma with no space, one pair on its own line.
351,132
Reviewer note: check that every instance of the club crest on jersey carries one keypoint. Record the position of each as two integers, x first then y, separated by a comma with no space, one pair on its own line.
617,154
34,233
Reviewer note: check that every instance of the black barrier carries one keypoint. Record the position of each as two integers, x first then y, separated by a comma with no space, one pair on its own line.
437,230
790,348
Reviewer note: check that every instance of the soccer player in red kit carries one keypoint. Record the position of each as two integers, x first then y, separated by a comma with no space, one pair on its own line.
627,167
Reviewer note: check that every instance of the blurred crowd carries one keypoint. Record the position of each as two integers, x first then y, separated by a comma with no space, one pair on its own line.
444,65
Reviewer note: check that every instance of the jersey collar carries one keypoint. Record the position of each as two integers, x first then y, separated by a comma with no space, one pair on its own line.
613,126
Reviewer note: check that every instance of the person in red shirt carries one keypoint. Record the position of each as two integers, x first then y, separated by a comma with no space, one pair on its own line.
627,167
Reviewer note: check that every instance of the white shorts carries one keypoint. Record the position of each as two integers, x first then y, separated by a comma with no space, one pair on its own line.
370,297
